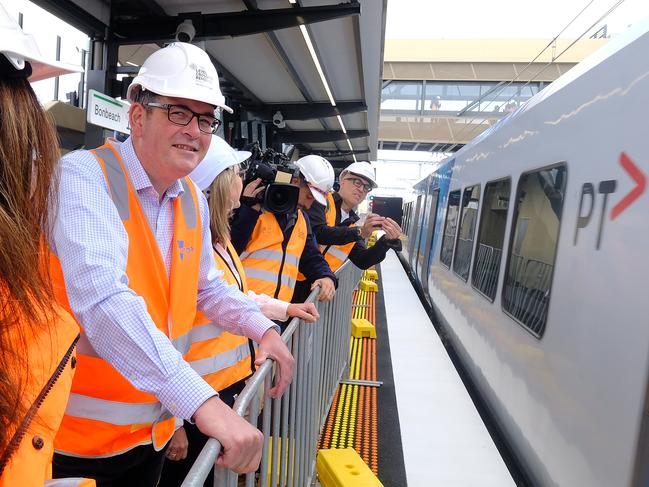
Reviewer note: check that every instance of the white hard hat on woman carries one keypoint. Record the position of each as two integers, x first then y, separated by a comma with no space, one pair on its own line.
318,174
22,52
363,169
180,70
219,157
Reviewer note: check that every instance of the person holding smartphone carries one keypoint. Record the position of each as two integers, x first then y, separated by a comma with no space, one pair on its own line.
335,226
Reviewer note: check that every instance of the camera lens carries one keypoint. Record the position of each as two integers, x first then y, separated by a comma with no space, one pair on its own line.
281,198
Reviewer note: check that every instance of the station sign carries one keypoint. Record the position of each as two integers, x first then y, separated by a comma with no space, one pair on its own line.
107,112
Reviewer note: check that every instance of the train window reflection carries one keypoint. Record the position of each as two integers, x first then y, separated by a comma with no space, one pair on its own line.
533,246
486,265
468,220
450,227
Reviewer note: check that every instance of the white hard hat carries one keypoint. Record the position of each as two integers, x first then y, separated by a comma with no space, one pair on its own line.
219,157
180,70
364,170
319,174
19,48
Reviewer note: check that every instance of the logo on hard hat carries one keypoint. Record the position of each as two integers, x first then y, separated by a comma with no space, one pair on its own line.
202,76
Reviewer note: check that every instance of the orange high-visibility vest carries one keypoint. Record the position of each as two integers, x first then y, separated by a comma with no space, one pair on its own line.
106,415
221,358
52,362
335,255
271,268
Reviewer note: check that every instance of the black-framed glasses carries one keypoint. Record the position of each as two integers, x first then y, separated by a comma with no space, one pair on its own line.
181,115
359,183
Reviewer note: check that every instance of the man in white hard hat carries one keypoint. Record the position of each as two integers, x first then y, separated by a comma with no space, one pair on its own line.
277,250
334,223
133,241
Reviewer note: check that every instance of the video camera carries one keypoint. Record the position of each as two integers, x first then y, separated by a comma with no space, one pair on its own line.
279,196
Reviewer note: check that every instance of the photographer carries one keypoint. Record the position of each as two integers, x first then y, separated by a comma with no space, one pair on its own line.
334,224
275,246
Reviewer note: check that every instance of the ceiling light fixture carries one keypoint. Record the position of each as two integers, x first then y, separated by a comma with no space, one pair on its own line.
342,125
349,143
318,67
314,56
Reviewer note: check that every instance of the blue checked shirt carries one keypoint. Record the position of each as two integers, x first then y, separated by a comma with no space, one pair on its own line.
92,245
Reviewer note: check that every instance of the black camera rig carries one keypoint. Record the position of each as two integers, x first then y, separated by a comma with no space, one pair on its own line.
275,172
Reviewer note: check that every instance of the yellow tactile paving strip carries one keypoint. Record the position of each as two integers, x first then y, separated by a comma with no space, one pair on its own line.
352,420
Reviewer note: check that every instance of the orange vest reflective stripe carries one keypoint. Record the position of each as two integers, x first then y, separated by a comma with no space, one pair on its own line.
270,268
51,358
76,482
106,415
221,358
335,255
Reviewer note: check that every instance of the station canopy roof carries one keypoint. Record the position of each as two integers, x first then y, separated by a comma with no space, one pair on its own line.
263,59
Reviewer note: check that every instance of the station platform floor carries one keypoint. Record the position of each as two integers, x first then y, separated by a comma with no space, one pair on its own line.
404,408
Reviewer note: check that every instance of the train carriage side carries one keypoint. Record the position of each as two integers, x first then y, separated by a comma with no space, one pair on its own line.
537,270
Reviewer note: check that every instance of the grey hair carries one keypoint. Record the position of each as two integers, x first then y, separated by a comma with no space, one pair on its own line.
144,96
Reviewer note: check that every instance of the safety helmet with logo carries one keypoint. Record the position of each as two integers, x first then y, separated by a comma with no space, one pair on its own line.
219,157
319,176
180,70
363,169
21,56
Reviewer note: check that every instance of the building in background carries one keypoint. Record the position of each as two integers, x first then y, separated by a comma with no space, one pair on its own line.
439,94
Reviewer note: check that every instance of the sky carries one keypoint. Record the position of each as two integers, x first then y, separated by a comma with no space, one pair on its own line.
470,19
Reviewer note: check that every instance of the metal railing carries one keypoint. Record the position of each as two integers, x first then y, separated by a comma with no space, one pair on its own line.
291,424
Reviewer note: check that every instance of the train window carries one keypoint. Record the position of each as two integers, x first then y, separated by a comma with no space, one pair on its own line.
486,264
468,220
533,246
450,227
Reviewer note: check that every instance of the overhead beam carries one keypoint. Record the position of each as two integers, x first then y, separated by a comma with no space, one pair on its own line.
251,5
337,153
74,15
308,111
229,24
340,164
317,136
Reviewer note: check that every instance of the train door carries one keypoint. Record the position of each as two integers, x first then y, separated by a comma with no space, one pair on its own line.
414,234
430,230
421,236
450,227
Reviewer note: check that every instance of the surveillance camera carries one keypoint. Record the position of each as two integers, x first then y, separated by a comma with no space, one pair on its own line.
185,31
278,120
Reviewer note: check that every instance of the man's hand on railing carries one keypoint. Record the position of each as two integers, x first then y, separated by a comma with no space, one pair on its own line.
327,288
272,346
305,311
241,443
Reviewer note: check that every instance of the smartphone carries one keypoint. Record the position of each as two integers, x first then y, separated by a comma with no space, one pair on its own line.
388,207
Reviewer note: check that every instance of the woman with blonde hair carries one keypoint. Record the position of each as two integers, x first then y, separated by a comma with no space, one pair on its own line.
231,357
37,338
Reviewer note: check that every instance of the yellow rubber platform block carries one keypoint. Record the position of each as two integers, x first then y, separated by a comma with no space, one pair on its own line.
363,328
368,286
371,275
344,468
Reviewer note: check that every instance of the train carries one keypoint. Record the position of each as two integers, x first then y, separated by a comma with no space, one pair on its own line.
530,245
